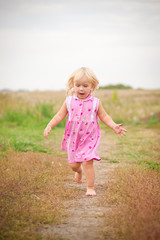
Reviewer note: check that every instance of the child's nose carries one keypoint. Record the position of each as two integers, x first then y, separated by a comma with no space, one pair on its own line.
81,87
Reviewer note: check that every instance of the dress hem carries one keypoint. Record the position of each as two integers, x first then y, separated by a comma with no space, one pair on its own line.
86,160
97,159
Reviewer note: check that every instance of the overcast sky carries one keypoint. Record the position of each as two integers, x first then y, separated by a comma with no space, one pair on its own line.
43,41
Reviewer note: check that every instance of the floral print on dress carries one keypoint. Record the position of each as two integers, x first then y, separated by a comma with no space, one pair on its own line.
82,134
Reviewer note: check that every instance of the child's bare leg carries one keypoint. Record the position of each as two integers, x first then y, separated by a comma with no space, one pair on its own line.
76,167
90,177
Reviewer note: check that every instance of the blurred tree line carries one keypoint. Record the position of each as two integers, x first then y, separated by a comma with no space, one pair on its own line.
115,86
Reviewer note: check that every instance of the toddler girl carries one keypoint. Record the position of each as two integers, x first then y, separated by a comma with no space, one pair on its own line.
82,132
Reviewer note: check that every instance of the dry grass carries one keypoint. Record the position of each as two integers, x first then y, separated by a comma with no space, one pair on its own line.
130,105
32,188
32,98
8,102
135,197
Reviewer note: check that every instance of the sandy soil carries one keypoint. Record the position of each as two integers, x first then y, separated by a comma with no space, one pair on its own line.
86,214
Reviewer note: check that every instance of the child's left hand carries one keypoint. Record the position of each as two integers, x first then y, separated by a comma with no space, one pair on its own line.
119,130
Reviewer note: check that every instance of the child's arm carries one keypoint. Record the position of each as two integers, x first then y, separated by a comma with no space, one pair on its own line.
56,119
107,120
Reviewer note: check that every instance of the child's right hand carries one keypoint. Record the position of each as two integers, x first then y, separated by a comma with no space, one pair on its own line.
47,131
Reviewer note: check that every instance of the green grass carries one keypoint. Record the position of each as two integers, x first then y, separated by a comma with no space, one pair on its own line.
140,146
114,161
26,146
153,120
22,130
37,116
22,139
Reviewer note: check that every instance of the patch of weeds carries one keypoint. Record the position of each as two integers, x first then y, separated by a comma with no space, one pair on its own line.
114,161
115,96
44,110
153,120
151,165
16,117
155,126
26,146
106,158
119,120
3,145
2,155
110,160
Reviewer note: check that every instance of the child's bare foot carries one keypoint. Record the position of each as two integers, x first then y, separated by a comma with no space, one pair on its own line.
90,192
78,177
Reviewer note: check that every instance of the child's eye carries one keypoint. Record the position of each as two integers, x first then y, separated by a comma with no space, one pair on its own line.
77,85
85,85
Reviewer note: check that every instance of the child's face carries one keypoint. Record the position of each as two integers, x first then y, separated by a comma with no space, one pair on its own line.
82,87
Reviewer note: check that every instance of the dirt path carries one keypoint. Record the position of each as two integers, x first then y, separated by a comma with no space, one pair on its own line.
86,219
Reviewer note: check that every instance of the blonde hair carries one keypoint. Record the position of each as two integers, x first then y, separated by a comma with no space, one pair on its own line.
78,74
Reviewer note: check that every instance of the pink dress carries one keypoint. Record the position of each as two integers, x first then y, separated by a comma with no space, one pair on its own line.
82,132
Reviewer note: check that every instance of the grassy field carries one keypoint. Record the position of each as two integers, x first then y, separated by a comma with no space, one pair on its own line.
34,170
134,190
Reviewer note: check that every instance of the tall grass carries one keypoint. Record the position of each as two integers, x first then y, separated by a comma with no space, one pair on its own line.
135,198
38,116
132,107
20,112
